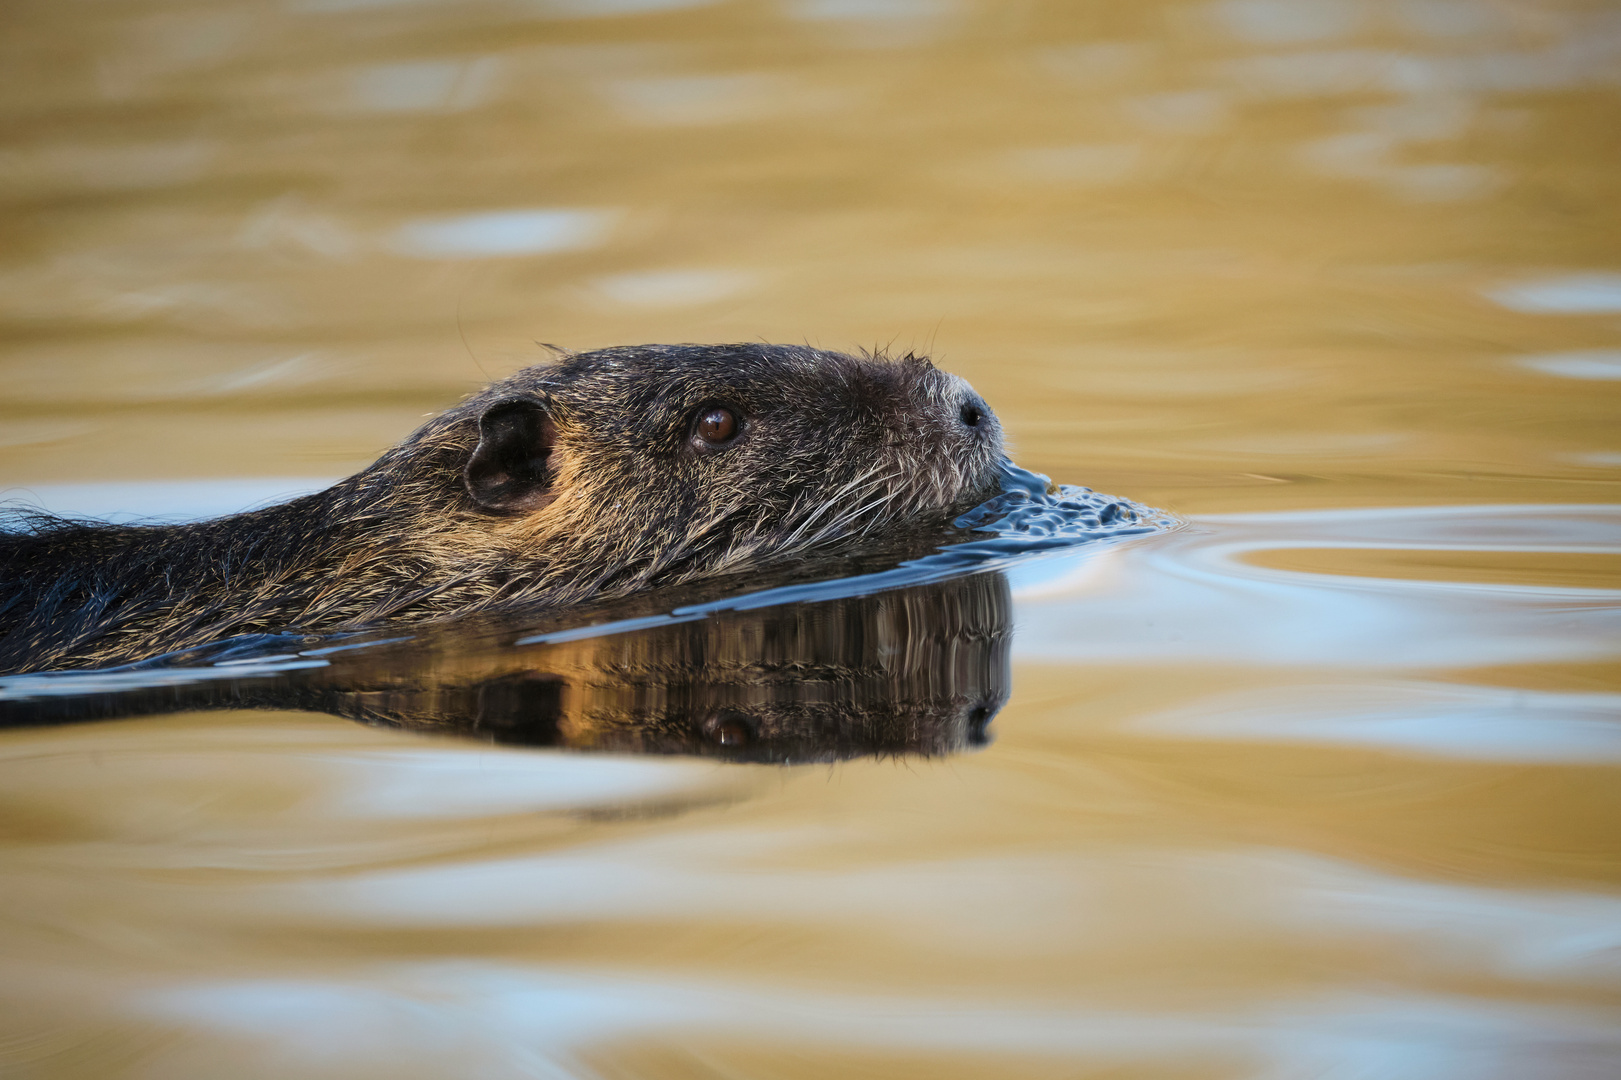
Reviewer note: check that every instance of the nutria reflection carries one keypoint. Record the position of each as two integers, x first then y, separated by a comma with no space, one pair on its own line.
920,670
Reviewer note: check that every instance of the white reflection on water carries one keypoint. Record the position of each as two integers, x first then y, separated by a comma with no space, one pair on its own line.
1582,364
1573,294
1076,907
530,1014
1189,596
506,1020
162,500
501,232
1480,723
696,874
461,783
1063,902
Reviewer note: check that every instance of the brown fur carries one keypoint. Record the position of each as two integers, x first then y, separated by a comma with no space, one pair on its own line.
561,483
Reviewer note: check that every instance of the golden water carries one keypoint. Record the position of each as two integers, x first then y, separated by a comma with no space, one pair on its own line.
1325,784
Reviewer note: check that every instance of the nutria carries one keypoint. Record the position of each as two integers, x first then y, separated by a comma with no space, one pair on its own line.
918,670
600,474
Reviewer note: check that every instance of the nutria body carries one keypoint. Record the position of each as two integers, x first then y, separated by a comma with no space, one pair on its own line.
603,473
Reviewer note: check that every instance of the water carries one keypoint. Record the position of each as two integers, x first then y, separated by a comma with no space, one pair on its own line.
1321,783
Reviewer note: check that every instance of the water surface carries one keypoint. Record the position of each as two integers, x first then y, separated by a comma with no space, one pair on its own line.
1322,783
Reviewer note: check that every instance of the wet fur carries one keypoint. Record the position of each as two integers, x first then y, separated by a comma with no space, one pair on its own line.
833,448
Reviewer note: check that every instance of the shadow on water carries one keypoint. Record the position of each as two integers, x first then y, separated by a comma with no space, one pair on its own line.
902,651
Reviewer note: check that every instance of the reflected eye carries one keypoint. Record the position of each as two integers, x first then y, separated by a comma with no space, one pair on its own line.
729,729
717,426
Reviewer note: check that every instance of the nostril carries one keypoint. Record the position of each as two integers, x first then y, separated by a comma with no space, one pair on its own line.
971,413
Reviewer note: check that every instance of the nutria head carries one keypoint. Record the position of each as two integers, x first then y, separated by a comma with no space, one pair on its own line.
603,473
613,469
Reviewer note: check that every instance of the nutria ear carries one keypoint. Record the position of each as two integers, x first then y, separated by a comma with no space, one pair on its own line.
510,470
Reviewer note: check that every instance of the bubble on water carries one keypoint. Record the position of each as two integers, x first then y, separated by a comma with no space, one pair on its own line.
1034,514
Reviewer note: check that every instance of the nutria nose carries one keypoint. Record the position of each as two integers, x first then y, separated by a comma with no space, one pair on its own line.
973,410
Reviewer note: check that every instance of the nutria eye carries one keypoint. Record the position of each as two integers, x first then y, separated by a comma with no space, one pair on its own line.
717,425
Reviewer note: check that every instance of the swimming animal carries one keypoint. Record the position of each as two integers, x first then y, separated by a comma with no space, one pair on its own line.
595,476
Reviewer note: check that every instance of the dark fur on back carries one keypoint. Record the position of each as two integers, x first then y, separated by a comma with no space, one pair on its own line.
561,483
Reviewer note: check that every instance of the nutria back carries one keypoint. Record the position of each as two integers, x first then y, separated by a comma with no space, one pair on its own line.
600,474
